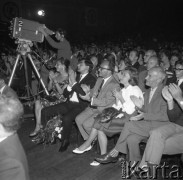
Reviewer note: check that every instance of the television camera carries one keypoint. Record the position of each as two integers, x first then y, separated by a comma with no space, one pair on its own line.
25,31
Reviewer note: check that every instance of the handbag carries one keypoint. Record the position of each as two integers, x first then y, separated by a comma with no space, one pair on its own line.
107,115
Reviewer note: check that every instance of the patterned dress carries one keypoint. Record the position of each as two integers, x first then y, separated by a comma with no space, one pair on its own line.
55,97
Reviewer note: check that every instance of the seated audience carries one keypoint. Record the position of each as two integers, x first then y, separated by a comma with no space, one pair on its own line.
100,97
57,84
167,139
74,104
151,116
124,101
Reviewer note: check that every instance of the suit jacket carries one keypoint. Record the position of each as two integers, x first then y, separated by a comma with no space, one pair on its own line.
89,80
9,92
105,97
176,114
156,110
13,161
141,81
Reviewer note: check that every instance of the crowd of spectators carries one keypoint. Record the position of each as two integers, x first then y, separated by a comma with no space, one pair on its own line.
155,71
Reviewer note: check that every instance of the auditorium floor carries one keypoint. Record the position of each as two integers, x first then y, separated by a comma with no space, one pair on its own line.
46,163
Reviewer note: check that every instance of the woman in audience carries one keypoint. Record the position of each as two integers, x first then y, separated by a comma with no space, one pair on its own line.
57,83
125,99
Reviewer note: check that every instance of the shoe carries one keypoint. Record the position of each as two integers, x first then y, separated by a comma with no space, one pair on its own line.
94,163
77,151
34,133
64,145
104,159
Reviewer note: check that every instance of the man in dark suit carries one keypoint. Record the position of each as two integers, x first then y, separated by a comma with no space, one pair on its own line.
13,162
6,90
153,115
175,114
74,104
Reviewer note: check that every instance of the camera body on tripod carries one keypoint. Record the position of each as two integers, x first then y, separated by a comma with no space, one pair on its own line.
26,29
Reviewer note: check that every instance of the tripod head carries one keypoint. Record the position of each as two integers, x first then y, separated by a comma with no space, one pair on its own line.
24,46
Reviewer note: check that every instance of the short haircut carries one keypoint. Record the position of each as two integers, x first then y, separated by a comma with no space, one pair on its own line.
179,62
136,52
152,51
88,63
111,64
64,62
155,58
133,75
11,111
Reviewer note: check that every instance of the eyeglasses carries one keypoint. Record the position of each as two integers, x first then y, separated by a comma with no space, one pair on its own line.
104,68
178,69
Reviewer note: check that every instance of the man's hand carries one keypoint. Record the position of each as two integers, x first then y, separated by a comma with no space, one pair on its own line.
166,94
85,88
42,30
86,97
138,117
175,92
72,77
137,101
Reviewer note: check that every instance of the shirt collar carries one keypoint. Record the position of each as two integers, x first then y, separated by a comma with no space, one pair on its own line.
180,81
1,90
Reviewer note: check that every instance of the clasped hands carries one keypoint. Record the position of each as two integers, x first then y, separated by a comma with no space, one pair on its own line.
171,92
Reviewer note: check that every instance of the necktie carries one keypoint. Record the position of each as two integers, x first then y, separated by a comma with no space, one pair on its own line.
80,78
99,89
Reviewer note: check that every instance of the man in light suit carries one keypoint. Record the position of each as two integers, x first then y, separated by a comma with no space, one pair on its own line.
6,90
101,97
153,115
13,161
168,139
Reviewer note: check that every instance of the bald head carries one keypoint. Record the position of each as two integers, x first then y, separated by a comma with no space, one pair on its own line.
152,62
155,76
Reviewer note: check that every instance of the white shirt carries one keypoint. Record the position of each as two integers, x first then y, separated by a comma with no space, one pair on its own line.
1,90
105,80
2,139
180,81
128,106
152,93
74,97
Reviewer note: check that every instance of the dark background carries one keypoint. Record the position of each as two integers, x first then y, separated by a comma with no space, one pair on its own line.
98,19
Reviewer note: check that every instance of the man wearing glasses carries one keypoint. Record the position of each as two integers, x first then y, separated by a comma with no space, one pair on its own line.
100,97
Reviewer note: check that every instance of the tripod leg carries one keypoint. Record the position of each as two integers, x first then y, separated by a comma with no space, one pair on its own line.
38,75
26,76
14,68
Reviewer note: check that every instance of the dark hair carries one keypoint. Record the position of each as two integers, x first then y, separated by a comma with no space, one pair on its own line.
65,62
112,65
11,111
61,32
47,52
133,75
179,62
88,63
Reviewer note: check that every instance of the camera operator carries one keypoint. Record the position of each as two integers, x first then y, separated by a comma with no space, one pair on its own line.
62,46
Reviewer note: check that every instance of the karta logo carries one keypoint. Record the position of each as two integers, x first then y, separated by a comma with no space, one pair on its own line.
164,171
